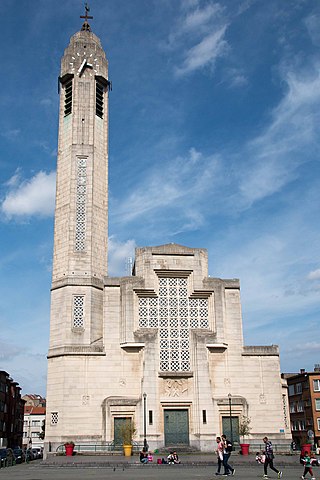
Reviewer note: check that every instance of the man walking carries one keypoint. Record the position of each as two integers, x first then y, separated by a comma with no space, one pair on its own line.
228,470
269,459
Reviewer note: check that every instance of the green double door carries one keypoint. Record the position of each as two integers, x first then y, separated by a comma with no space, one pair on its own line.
176,428
226,428
119,423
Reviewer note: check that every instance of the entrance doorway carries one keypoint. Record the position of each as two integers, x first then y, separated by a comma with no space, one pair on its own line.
118,425
176,428
235,428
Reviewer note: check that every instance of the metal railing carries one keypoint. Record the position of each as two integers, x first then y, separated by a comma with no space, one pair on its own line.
105,447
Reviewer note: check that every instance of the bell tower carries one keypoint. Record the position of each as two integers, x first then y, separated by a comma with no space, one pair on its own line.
81,212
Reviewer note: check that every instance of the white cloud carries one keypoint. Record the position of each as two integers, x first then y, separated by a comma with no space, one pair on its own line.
181,184
33,197
199,19
198,37
287,142
235,78
314,275
312,24
304,347
204,53
119,255
11,134
186,4
15,179
8,351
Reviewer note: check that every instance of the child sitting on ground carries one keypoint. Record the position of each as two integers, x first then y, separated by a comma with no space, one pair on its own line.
260,457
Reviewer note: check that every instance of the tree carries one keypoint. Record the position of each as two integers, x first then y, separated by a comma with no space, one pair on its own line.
244,426
127,431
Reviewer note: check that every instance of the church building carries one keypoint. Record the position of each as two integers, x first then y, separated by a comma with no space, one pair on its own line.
162,348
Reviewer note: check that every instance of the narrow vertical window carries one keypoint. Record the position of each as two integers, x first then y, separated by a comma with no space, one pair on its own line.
150,417
204,416
68,98
78,311
54,418
81,204
99,100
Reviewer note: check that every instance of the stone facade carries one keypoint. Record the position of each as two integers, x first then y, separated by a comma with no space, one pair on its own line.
168,331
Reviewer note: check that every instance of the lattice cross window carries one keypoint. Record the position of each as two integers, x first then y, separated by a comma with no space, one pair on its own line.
174,314
78,311
54,418
81,204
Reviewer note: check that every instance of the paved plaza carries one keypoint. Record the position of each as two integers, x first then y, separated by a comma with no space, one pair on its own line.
118,468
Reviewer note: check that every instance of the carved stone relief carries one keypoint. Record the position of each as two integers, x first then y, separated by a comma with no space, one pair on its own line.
176,388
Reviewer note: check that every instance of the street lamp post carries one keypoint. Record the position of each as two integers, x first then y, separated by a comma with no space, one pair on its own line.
145,445
230,417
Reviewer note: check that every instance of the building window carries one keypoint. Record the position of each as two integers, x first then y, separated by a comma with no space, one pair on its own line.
99,100
316,385
292,408
150,417
174,313
34,435
81,204
54,418
78,311
291,390
68,98
318,422
300,406
298,388
317,400
35,423
285,416
204,416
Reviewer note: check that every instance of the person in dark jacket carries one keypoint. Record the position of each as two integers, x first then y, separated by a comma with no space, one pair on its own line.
269,458
228,470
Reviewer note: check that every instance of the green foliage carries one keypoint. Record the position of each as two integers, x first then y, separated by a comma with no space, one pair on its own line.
127,431
244,426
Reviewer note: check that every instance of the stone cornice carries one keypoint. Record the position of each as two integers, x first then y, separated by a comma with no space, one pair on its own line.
260,350
77,281
93,350
175,375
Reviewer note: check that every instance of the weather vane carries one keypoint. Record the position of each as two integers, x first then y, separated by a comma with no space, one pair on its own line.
86,25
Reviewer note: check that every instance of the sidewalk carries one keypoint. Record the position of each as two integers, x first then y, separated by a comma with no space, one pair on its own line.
201,459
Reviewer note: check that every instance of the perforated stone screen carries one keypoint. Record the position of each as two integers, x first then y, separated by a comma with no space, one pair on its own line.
78,311
54,418
81,204
174,314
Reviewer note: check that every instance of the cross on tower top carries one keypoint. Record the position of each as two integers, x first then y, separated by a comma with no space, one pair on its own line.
86,25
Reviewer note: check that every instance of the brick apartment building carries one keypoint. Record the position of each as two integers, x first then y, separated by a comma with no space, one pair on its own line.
11,412
304,405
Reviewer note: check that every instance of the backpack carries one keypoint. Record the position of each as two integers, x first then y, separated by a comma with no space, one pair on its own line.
229,446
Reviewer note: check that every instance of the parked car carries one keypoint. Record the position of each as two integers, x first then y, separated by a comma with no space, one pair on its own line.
18,454
37,452
3,456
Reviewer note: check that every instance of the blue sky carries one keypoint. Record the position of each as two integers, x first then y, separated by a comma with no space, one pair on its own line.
214,143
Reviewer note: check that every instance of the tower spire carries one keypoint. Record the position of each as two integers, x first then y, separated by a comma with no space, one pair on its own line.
86,27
